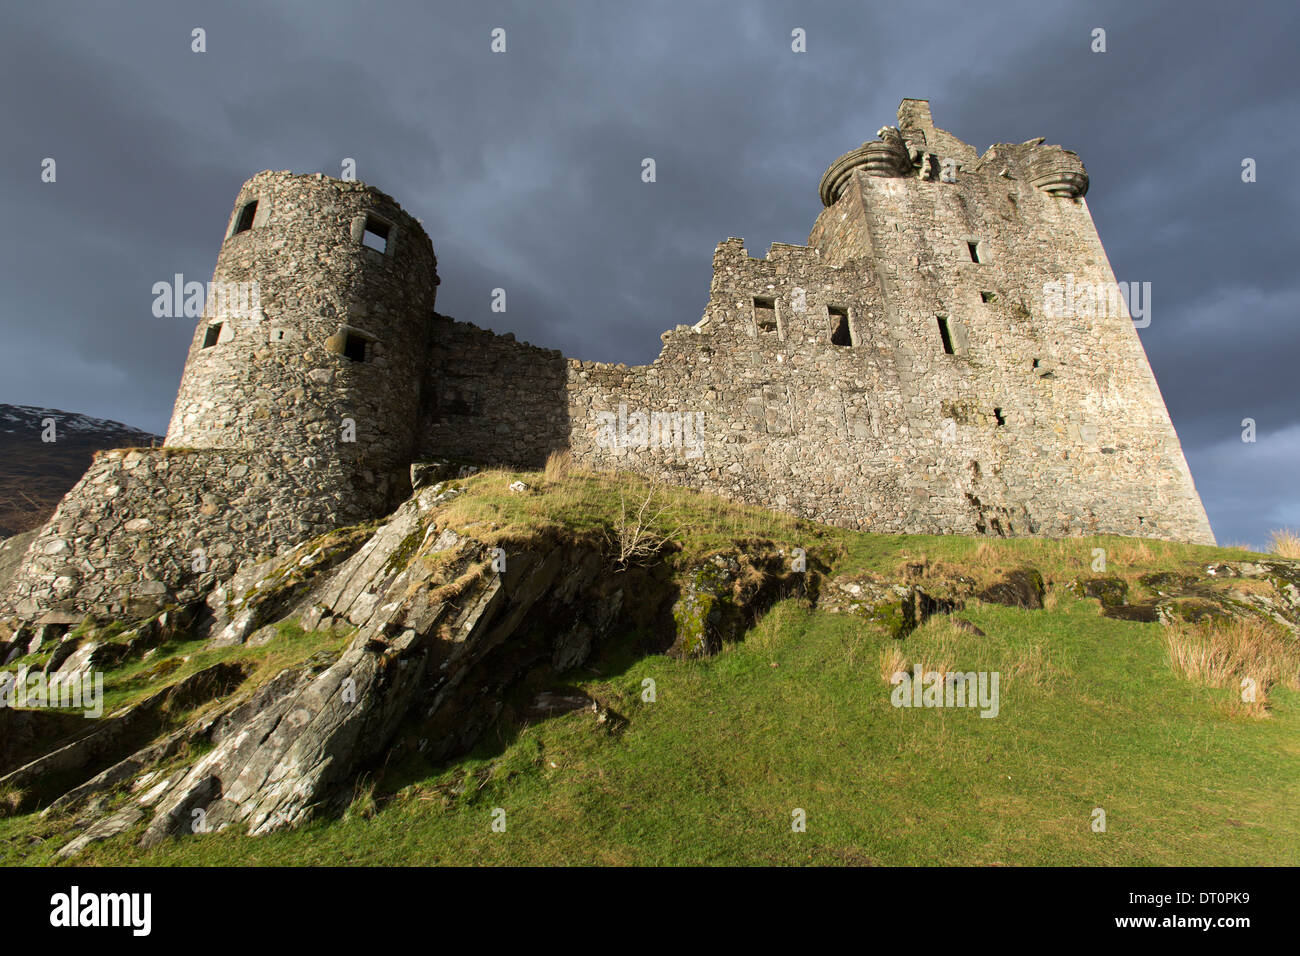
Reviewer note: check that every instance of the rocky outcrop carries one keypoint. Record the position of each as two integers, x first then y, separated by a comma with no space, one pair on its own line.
1022,588
1267,589
271,768
444,626
899,608
721,595
103,743
429,630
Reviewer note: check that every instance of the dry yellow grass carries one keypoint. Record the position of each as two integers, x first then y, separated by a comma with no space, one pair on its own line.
1233,653
1133,554
912,566
934,665
774,626
11,798
454,589
892,662
558,466
1032,665
1285,543
1239,708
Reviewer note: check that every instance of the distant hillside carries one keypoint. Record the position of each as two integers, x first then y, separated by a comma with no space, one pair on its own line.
35,474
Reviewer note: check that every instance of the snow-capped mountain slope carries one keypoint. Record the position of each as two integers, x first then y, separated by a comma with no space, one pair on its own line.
36,472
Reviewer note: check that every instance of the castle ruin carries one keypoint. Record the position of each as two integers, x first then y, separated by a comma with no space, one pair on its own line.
905,371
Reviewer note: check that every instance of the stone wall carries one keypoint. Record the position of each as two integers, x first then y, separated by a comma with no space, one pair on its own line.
789,420
889,433
1085,441
491,399
899,373
298,409
150,526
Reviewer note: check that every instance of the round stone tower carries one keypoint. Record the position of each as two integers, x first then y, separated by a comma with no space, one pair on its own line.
314,332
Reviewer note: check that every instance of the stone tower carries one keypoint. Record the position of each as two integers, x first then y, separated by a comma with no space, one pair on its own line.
315,329
995,298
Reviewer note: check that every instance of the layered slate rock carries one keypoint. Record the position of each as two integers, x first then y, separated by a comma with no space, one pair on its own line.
442,628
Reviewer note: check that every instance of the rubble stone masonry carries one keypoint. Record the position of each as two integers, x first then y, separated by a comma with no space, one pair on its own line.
906,371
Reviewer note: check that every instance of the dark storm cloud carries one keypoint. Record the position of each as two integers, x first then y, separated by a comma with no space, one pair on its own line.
525,169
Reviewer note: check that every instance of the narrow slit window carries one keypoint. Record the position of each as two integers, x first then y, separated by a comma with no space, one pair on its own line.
375,235
765,314
974,247
945,334
354,347
840,334
246,217
1002,419
211,335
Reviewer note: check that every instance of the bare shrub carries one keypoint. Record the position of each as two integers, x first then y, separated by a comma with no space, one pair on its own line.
638,533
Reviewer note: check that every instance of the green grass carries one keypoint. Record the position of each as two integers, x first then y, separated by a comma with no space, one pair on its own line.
172,662
798,715
588,504
135,680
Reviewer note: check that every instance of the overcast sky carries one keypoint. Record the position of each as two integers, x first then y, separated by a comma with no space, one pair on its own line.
525,168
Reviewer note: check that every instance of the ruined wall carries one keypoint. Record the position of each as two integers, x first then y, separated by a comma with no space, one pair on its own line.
145,527
789,419
301,391
1002,419
1058,418
491,399
899,373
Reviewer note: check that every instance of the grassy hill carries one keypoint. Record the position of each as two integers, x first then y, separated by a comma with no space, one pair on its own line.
797,716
